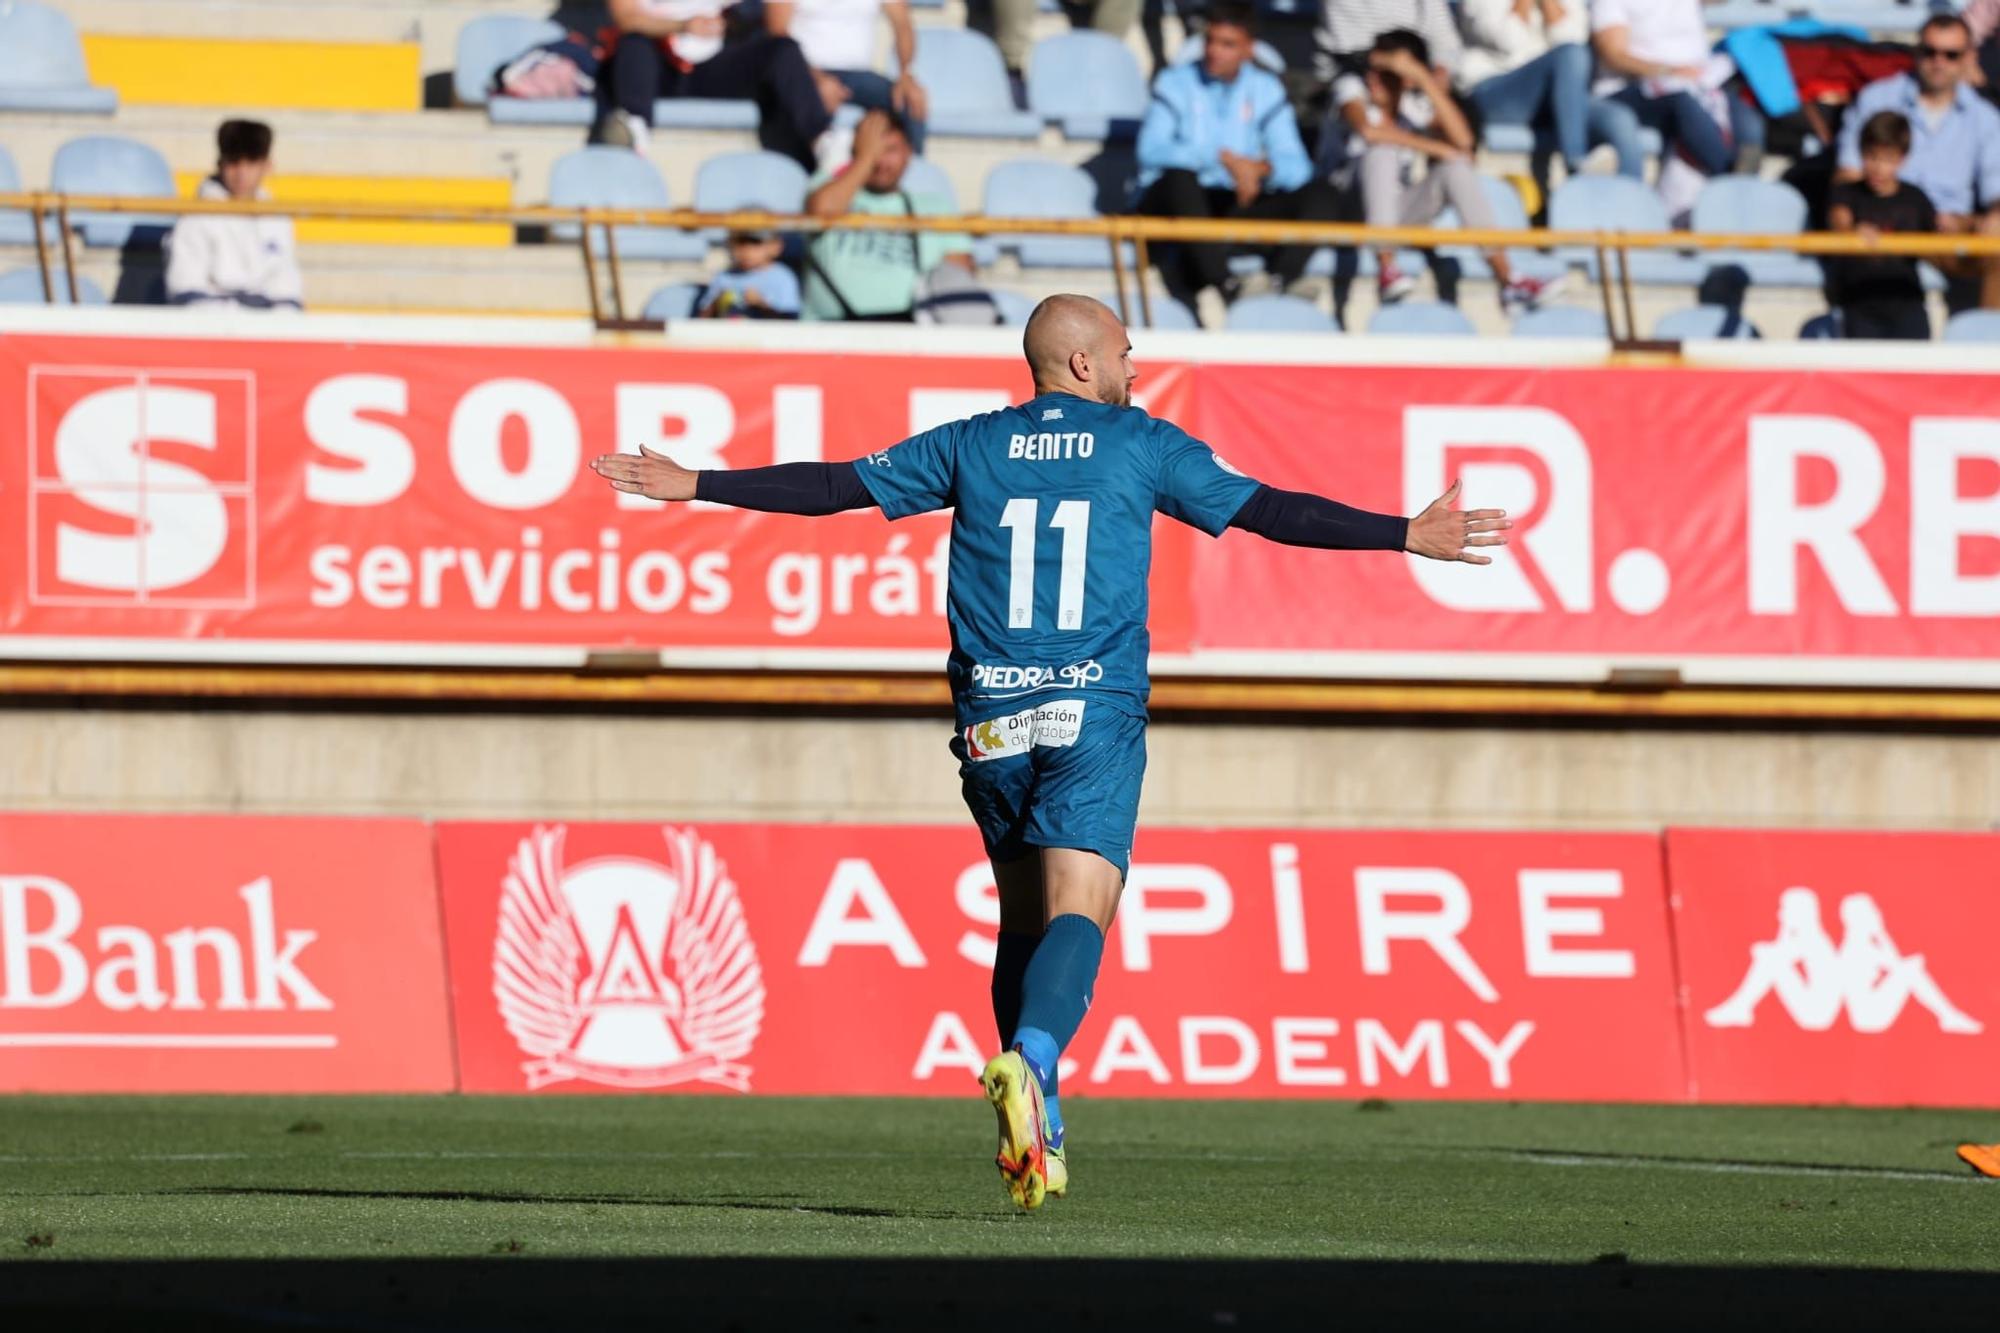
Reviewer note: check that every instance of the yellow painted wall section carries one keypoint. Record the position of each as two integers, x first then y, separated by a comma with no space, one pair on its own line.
489,191
248,75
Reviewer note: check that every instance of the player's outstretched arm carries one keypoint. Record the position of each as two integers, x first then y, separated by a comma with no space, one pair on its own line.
1444,533
1440,532
786,488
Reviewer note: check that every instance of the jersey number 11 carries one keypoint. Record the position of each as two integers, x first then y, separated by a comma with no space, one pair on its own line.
1073,518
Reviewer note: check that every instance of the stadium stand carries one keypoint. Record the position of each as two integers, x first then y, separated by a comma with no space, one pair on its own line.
15,228
468,147
42,64
1167,313
673,301
733,181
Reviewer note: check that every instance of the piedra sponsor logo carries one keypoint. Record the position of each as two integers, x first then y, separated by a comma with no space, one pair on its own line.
1001,681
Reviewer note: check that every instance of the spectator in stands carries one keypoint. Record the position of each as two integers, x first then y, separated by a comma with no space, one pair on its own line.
876,275
1880,298
1654,55
1348,29
1527,62
1220,141
1397,115
675,48
1954,155
235,259
838,38
756,285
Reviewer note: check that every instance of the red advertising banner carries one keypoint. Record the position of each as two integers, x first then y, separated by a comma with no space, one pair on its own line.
214,954
853,959
376,500
1838,967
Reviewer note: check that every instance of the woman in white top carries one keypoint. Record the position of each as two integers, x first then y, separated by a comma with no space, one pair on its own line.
1527,62
838,38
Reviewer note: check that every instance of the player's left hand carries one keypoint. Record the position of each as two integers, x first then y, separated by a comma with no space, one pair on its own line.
1444,533
646,473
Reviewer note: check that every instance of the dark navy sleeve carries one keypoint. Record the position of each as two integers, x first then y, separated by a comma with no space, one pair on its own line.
787,488
1299,519
1195,485
916,476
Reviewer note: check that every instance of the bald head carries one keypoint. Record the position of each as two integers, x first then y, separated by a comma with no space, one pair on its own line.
1077,345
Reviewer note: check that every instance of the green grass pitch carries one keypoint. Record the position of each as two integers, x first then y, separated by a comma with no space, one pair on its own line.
450,1177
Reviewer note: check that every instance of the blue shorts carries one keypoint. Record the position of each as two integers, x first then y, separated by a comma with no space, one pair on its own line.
1063,773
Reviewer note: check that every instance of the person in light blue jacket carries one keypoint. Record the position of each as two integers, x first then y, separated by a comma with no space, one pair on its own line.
1220,141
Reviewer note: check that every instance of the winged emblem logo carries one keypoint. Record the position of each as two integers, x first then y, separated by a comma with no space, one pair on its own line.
626,972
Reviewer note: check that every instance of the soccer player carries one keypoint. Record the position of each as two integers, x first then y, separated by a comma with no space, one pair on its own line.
1051,540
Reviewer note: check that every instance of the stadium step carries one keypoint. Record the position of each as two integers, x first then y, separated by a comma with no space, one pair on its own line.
248,75
413,191
432,24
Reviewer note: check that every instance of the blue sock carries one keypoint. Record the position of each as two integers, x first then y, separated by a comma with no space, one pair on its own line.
1055,995
1010,964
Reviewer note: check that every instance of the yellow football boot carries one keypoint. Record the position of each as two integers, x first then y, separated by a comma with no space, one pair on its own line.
1017,1102
1058,1169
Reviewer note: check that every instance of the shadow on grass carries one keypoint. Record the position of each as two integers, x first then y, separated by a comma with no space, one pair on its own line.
968,1296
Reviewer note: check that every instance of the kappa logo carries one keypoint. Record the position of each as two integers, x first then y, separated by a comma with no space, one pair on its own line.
1815,980
1052,414
627,972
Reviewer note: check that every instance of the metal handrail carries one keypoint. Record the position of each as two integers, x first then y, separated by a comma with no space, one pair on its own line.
1116,230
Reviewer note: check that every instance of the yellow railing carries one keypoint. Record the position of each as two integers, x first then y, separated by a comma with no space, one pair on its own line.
1117,231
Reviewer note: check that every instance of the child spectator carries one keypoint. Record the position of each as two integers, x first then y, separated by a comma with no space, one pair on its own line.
1880,298
233,258
756,285
1395,116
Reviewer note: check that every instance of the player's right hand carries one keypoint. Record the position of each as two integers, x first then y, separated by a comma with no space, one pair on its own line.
1444,533
646,473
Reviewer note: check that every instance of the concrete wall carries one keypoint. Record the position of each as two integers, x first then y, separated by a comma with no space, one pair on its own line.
600,765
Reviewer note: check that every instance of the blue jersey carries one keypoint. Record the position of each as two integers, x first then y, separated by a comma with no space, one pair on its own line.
1052,541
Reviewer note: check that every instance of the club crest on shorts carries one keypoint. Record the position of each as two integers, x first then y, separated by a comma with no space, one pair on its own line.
626,972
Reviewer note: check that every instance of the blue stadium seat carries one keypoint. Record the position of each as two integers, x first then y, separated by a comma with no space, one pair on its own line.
23,286
1427,318
1973,326
1279,314
1089,83
1034,187
1704,321
1261,53
730,181
1748,206
673,301
577,111
1509,214
1169,315
704,113
107,164
966,81
601,177
1504,138
1561,321
41,63
17,228
490,42
1014,308
924,176
1618,203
